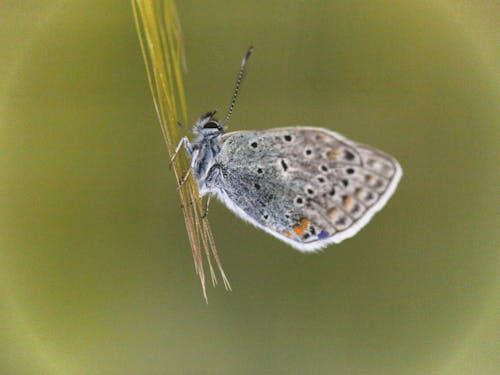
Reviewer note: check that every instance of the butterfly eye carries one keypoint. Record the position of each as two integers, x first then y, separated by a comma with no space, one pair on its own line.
211,125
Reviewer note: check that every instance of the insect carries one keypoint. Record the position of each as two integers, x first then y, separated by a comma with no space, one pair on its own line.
309,187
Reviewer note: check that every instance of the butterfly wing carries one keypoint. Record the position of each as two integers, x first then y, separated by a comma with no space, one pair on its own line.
309,187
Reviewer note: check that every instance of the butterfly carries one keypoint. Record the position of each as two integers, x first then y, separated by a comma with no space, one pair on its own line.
307,186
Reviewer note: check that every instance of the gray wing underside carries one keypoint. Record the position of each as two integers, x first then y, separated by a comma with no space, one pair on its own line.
306,186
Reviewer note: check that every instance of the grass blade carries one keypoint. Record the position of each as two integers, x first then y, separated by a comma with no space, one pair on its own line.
160,36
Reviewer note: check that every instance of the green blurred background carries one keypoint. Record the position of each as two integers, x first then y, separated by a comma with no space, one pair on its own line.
96,273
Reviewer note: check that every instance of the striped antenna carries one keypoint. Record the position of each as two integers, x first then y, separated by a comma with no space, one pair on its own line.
241,73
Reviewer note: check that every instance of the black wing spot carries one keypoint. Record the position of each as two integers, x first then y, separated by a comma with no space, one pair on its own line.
308,151
288,138
324,168
299,200
332,192
284,165
321,179
348,155
257,186
259,170
345,182
254,144
349,170
310,191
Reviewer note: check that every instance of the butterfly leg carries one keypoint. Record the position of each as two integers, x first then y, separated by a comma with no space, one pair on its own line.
187,145
184,178
205,213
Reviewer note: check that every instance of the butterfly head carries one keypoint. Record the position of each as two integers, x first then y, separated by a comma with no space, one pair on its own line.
208,126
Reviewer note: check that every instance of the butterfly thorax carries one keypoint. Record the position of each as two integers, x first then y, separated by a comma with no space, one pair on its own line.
204,159
205,150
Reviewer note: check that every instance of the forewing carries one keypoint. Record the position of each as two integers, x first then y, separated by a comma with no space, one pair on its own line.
307,186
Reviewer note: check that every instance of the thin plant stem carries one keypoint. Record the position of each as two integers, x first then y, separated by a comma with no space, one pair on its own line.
160,37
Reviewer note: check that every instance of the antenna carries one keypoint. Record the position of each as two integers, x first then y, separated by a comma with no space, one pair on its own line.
237,85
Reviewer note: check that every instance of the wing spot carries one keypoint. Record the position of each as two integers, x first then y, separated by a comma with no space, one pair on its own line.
345,182
349,170
301,228
357,192
341,222
288,138
369,198
365,196
299,200
257,186
310,191
347,202
254,144
308,151
324,168
356,209
299,231
348,155
333,154
379,184
284,165
332,192
333,212
259,170
321,179
322,235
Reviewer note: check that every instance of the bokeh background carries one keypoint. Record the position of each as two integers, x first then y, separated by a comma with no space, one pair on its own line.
96,273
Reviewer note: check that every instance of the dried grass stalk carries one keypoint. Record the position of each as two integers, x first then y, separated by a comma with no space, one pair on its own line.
160,36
